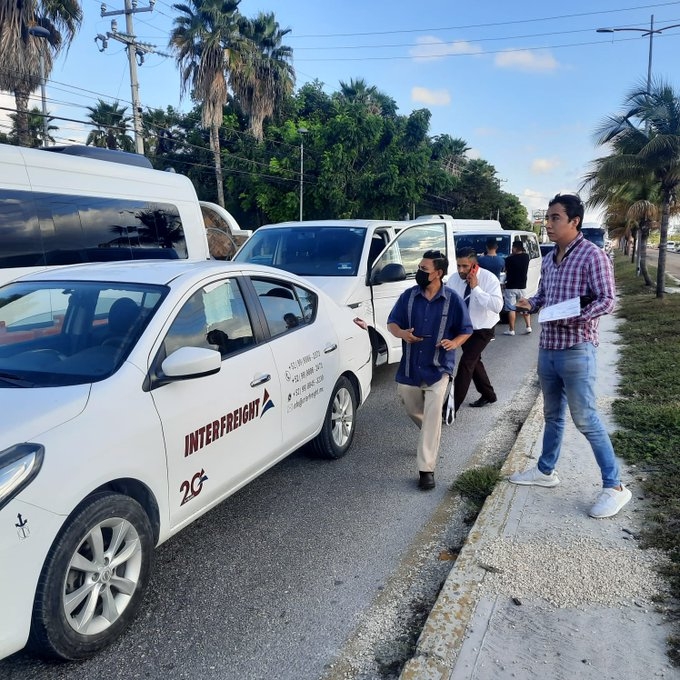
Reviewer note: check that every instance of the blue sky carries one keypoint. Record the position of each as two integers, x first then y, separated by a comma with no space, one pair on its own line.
524,83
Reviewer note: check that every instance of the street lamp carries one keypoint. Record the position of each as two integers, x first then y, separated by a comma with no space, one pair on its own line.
645,31
43,33
302,131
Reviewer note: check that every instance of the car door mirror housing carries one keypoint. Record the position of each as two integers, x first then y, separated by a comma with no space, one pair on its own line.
389,273
191,362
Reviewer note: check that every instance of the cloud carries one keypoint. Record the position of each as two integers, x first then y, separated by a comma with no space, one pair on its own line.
543,166
527,60
429,48
423,95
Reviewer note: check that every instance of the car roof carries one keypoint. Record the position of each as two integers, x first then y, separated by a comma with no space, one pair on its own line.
332,223
159,272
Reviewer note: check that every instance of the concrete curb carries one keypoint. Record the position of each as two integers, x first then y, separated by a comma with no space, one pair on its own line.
444,632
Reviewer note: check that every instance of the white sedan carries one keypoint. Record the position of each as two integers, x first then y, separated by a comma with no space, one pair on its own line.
134,397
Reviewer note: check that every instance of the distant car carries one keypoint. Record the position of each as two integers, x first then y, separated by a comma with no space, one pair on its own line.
546,249
133,399
671,246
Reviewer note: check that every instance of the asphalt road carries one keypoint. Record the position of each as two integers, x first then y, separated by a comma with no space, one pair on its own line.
275,581
672,261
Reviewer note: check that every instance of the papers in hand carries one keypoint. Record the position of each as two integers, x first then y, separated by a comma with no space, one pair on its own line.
562,310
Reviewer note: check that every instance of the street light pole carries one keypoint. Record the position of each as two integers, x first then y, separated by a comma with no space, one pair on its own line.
651,31
302,131
43,34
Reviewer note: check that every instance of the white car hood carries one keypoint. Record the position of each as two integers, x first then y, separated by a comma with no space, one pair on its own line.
27,413
345,290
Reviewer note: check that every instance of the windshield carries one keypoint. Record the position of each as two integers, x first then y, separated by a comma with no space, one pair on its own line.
307,250
69,333
594,235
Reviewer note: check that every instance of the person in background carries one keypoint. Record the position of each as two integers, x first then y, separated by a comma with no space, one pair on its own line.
492,261
432,322
581,272
516,268
481,292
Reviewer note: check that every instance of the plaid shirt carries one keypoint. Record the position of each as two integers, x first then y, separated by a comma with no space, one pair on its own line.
585,270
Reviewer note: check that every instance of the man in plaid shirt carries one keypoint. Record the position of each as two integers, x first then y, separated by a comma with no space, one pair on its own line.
566,358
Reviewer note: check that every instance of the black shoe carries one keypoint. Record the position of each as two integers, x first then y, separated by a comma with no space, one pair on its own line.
426,481
483,401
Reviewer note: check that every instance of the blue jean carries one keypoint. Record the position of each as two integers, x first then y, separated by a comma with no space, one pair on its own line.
567,376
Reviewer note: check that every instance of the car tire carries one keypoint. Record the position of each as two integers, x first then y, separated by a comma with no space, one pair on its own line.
337,431
94,578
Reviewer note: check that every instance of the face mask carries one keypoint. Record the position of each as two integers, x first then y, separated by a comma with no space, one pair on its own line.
422,278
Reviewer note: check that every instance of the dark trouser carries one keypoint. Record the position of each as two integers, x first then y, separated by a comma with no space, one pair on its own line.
471,368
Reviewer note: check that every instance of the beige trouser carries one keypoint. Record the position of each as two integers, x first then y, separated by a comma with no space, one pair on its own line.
424,407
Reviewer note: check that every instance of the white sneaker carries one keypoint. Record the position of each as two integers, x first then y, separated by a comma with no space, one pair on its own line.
508,332
534,477
609,502
527,331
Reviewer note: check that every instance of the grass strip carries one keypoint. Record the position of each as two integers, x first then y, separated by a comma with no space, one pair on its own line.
648,412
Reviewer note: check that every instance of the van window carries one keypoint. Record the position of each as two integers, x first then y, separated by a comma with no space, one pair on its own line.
411,244
39,228
308,250
504,241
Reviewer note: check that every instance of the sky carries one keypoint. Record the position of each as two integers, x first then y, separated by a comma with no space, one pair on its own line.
525,84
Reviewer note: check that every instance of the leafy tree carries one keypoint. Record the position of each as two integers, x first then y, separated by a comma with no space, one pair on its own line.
111,127
20,51
204,34
646,140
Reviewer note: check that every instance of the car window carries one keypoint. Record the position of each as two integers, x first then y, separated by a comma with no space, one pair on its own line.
285,306
214,317
68,333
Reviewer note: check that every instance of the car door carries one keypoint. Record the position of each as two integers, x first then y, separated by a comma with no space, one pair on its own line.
407,249
220,430
306,352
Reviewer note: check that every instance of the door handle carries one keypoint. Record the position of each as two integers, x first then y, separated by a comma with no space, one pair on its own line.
262,379
330,348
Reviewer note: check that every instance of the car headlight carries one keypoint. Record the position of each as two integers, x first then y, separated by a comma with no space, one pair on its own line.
19,464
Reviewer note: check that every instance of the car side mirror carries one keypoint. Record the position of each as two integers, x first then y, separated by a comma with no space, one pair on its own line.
389,274
191,362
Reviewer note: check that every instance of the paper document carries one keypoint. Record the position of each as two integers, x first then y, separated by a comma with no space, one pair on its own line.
562,310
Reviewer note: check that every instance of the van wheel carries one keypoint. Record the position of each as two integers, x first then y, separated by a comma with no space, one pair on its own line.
93,579
337,431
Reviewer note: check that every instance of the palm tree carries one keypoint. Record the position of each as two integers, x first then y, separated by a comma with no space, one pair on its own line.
203,36
260,73
20,51
647,138
111,127
35,128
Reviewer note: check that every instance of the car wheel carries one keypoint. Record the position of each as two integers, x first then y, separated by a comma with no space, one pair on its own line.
338,427
93,579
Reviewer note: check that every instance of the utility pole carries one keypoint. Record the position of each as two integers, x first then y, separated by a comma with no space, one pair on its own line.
135,50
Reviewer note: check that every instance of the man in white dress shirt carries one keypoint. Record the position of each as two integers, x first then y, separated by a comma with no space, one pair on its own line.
481,291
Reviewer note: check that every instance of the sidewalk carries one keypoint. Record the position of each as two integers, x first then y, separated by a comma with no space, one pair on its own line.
540,590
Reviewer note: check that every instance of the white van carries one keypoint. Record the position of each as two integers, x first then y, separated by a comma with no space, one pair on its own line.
364,264
63,208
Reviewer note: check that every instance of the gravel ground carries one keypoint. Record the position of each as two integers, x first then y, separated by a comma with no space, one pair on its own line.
575,572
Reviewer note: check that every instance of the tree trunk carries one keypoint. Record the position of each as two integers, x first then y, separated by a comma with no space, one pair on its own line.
23,132
644,236
633,250
215,146
663,239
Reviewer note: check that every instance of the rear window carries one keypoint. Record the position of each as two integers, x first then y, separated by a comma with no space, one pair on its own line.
503,241
307,251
